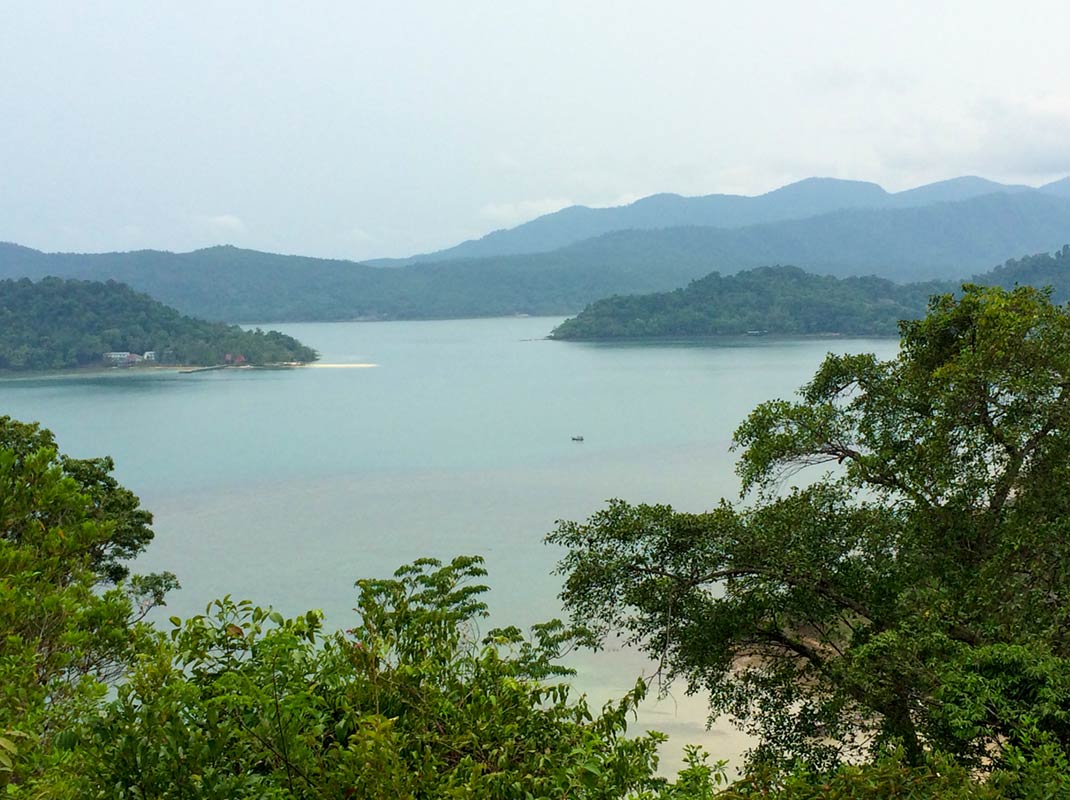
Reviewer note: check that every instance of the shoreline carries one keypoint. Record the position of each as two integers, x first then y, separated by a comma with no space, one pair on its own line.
721,337
101,370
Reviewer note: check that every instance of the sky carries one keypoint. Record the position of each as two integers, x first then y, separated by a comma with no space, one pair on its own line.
359,130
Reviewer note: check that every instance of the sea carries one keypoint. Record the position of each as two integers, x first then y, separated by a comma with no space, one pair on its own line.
426,439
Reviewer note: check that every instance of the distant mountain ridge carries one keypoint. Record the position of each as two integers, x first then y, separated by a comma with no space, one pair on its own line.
943,240
806,198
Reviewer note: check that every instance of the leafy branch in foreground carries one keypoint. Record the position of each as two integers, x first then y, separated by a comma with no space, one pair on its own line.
243,703
69,622
915,599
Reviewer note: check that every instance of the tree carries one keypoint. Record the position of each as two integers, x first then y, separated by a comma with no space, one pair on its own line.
915,596
243,703
108,502
409,703
66,627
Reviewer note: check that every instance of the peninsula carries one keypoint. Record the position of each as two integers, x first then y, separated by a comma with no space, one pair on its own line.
787,301
61,324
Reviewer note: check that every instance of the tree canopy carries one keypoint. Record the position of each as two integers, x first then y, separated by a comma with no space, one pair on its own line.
408,703
914,597
241,703
70,616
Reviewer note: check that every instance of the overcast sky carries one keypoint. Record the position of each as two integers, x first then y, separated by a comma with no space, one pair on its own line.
354,130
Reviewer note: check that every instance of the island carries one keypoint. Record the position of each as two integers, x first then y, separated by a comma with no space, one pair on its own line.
55,324
787,301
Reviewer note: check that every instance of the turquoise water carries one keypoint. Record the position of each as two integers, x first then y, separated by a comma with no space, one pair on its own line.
287,486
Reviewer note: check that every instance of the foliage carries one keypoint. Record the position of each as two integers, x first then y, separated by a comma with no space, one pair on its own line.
65,628
243,703
55,324
108,502
1043,269
913,598
887,777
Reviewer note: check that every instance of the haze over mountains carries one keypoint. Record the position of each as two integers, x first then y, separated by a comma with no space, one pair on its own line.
559,263
806,198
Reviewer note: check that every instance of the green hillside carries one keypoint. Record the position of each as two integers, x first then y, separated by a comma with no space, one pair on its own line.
57,324
789,301
778,300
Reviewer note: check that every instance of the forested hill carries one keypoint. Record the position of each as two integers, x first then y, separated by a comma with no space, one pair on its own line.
786,301
949,240
56,324
777,300
806,198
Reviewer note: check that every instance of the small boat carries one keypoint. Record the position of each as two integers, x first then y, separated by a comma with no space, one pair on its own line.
577,438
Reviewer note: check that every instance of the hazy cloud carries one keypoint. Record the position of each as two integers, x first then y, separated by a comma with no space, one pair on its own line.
358,236
1023,140
627,198
510,214
849,79
1041,123
224,224
505,162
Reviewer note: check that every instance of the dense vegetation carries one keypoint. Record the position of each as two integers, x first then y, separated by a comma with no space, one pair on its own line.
70,616
778,300
914,599
55,324
894,628
788,301
1041,270
241,703
939,241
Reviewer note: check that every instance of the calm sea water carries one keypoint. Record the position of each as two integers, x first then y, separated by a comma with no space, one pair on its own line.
287,486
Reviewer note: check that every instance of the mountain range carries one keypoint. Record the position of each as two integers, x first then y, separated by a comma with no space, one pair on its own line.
806,198
944,231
